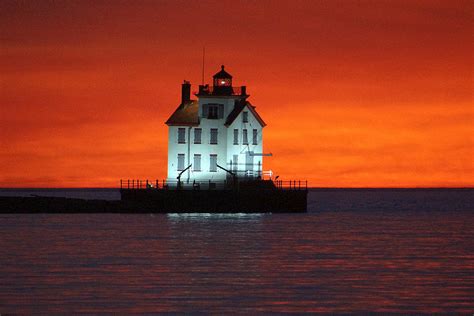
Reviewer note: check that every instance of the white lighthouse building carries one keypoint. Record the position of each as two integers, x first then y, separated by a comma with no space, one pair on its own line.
215,139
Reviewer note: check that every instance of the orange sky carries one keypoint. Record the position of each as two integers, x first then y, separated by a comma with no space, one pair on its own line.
355,94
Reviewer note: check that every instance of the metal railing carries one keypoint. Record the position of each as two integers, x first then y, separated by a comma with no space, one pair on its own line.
219,90
139,184
291,184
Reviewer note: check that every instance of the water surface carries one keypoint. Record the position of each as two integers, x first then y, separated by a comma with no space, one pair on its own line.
355,251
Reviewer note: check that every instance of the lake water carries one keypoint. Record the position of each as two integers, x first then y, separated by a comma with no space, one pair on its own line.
400,251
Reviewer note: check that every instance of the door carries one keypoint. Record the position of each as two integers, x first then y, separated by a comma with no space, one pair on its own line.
249,163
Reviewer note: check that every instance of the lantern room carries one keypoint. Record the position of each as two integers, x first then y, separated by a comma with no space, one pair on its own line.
222,83
221,86
222,78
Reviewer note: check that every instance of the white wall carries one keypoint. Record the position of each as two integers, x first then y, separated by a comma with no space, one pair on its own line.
174,149
225,149
241,149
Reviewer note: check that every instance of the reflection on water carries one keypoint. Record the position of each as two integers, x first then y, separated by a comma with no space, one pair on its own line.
213,216
381,261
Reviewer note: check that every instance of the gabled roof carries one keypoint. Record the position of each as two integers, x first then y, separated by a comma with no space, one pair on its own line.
222,74
239,107
185,115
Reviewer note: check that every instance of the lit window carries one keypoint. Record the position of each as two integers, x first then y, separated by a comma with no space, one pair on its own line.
222,82
245,117
236,136
197,135
180,162
254,138
213,136
245,139
181,135
213,163
197,162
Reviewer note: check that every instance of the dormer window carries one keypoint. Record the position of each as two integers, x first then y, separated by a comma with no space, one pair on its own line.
213,111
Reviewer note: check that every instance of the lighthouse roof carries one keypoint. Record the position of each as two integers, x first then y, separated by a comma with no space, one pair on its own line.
239,107
185,115
222,74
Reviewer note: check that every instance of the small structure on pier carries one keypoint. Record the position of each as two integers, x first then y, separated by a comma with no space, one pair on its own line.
216,138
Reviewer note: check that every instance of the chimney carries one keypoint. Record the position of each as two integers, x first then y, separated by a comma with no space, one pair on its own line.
243,90
185,91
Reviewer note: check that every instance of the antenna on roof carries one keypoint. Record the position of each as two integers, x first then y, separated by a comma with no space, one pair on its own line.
203,57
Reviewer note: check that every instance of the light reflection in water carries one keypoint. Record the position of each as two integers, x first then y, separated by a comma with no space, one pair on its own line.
214,216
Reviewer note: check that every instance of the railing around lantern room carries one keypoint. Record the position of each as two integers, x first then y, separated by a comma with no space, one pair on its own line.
207,90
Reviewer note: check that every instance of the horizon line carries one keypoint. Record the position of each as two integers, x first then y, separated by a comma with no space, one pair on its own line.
317,188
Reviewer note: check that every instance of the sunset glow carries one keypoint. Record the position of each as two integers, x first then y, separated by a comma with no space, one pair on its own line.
355,94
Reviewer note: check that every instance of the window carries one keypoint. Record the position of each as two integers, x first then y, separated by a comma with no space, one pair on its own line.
213,136
180,162
213,163
254,138
197,162
197,135
181,135
236,136
235,163
223,82
245,117
245,139
213,111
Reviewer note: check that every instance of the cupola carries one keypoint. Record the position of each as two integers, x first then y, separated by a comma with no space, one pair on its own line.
222,78
222,83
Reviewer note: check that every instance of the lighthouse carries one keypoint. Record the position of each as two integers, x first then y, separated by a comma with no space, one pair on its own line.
216,137
215,159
